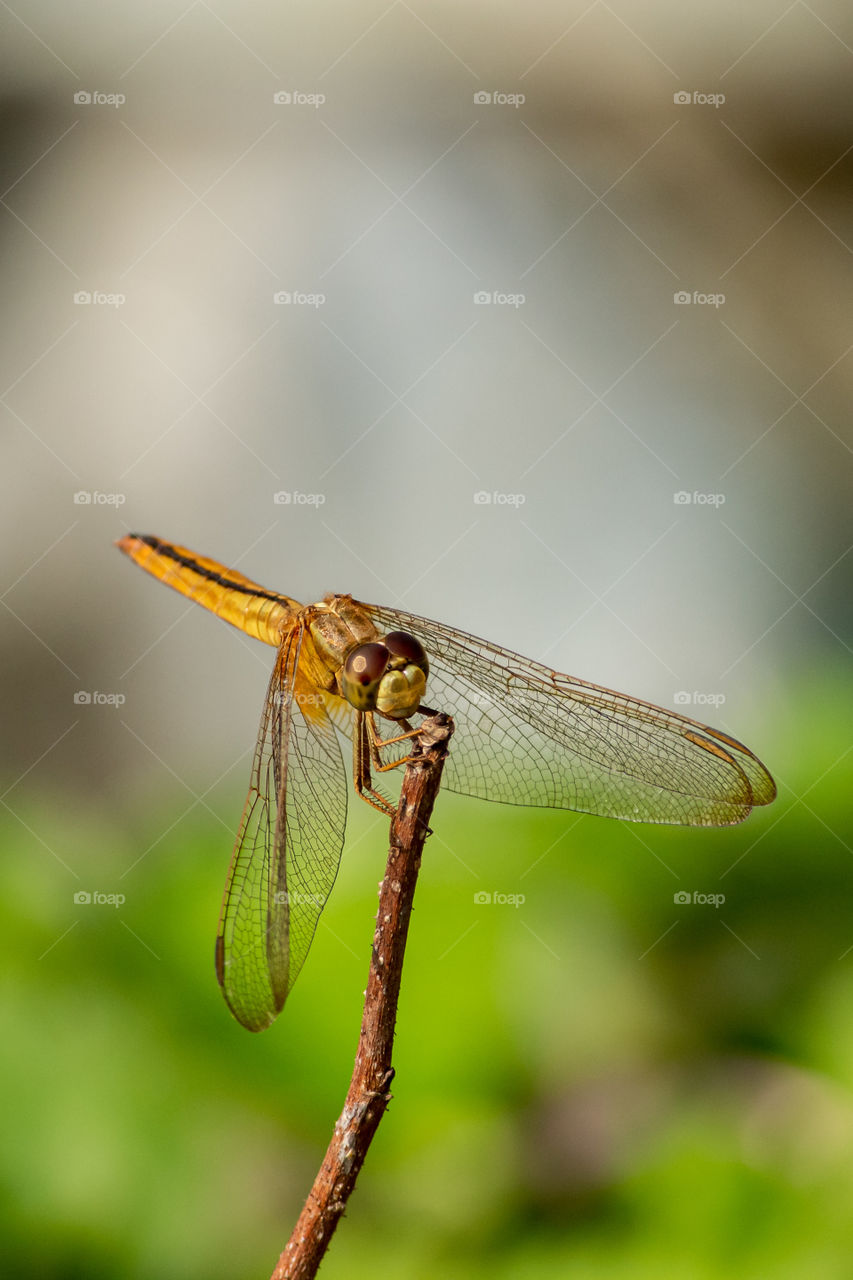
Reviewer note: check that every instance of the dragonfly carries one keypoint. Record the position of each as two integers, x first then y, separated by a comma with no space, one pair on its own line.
525,735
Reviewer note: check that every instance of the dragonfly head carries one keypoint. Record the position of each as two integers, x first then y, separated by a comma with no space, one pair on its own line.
388,676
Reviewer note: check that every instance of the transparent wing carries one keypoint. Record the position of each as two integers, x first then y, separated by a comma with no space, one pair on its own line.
528,735
288,848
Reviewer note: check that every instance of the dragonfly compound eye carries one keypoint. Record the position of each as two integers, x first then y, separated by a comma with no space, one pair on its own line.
405,649
361,674
404,683
388,677
400,691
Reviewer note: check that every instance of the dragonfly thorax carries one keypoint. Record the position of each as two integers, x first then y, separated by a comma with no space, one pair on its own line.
374,673
337,626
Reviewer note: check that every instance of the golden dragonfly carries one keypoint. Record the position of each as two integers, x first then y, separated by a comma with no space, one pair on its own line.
524,735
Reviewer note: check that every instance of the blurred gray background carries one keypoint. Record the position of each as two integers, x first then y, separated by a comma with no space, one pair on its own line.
578,166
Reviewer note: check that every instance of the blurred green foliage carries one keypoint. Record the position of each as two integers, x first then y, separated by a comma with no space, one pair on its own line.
597,1081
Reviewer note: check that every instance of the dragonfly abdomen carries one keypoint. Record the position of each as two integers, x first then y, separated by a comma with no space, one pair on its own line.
262,614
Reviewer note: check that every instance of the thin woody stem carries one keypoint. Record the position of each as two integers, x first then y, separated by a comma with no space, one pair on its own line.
368,1094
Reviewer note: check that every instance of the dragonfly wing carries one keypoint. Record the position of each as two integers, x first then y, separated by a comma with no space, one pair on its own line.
288,848
531,736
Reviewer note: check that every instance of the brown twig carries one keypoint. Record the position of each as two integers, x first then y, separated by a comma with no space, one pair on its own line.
368,1094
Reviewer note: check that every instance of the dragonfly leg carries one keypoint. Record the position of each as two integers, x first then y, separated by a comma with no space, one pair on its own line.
376,743
362,745
386,742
